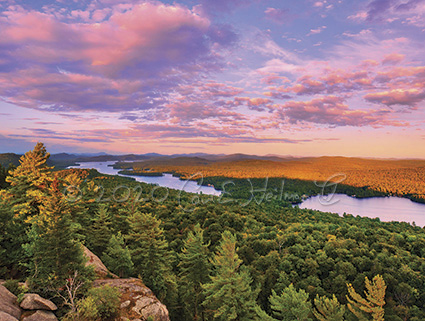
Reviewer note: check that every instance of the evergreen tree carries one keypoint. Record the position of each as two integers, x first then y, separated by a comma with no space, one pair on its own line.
229,295
290,305
194,271
3,175
100,231
56,253
117,257
374,302
150,253
120,220
28,185
328,309
29,181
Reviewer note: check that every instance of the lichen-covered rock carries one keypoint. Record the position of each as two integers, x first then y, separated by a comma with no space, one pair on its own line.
99,268
125,304
143,303
6,317
40,315
8,303
33,301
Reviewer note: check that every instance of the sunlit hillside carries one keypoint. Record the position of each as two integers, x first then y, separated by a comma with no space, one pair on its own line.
398,177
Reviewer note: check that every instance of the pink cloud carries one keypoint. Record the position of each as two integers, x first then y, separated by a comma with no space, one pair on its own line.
214,89
393,59
409,97
387,11
257,103
316,31
333,111
183,112
277,15
131,54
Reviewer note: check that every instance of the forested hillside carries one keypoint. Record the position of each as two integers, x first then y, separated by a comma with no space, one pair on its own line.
207,258
391,177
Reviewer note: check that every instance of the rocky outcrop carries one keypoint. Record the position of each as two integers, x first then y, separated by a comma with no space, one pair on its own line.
137,300
35,308
6,317
40,315
33,301
99,268
8,304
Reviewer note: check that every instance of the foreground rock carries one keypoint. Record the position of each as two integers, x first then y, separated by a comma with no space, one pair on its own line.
40,315
6,317
8,304
137,300
33,301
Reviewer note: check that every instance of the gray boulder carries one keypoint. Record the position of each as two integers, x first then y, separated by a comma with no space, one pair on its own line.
9,303
33,301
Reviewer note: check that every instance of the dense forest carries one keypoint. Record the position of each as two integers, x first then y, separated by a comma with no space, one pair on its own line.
205,257
391,177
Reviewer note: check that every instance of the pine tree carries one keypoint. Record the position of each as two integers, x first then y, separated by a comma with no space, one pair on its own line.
56,252
328,309
117,257
290,305
229,295
150,253
29,181
374,302
194,271
100,231
28,185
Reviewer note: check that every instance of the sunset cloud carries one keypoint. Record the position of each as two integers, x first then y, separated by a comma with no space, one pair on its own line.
113,64
387,11
409,97
333,111
121,75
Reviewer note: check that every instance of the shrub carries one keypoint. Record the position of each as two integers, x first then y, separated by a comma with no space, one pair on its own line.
14,287
100,304
87,309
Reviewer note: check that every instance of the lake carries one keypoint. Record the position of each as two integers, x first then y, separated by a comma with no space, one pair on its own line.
167,180
386,208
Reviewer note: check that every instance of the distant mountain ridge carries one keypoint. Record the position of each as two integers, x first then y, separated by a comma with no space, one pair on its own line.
66,159
9,158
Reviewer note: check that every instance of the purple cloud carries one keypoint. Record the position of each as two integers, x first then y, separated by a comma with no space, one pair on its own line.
129,61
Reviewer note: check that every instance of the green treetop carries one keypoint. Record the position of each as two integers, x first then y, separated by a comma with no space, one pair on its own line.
194,271
292,304
150,253
229,295
117,257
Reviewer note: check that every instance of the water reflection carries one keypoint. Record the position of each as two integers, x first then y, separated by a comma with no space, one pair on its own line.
386,208
167,180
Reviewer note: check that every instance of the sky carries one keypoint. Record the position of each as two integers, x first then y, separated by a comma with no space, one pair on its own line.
302,78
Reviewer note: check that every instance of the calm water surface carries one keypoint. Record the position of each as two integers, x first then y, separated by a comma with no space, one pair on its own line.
167,180
386,208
